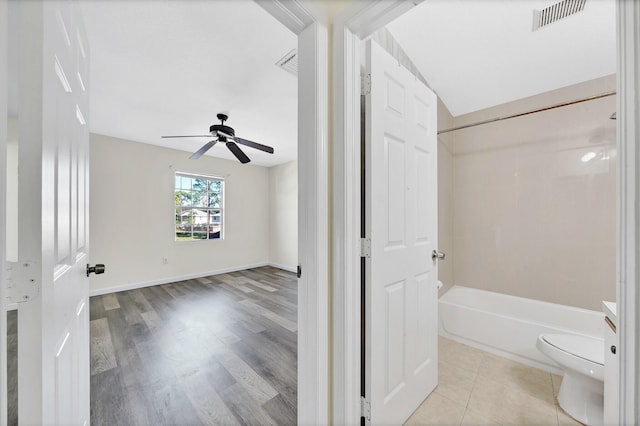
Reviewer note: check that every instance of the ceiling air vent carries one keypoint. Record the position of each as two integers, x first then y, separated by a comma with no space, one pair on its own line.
556,12
289,62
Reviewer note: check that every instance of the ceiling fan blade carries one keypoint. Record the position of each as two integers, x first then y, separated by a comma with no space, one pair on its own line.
187,136
235,149
246,142
206,147
255,145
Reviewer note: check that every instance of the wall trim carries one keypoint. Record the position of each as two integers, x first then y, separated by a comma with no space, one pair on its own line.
346,224
365,18
292,269
291,13
313,227
173,279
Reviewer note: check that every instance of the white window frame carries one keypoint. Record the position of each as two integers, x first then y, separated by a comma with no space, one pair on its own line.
221,208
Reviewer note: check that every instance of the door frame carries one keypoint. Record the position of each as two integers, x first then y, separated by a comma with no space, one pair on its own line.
309,23
356,23
321,359
628,238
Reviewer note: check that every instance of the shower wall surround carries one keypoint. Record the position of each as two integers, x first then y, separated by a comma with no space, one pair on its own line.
534,199
445,198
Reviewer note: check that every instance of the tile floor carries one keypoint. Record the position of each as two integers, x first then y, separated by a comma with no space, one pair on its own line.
479,388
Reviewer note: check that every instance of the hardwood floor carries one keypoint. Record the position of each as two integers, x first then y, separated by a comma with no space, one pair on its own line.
215,350
12,368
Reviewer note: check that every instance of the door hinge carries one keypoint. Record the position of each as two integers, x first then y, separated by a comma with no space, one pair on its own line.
21,280
365,247
365,84
365,408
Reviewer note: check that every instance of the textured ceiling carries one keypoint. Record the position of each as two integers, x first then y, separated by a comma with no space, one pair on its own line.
478,54
167,67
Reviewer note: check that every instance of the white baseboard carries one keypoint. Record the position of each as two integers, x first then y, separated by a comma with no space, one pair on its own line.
293,269
167,280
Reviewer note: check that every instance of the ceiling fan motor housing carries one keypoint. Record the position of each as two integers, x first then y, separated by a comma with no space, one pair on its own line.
222,128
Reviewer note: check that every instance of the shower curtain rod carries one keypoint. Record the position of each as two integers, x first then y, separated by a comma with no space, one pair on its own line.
493,120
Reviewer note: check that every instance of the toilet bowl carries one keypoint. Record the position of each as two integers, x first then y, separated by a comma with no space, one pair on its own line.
582,360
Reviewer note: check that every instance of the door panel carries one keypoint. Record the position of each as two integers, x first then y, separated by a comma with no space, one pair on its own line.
394,339
401,220
54,337
394,166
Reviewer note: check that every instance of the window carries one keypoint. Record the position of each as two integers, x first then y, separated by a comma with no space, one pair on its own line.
199,207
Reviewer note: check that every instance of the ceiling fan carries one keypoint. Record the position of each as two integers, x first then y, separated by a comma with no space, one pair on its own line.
226,135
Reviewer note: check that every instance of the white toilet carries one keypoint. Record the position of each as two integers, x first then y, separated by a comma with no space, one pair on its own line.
582,360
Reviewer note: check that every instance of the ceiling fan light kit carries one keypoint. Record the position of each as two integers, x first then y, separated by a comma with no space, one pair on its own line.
226,135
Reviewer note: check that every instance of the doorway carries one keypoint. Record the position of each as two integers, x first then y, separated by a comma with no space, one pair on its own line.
260,213
348,32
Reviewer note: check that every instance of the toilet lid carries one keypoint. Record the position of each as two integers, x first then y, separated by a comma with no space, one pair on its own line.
588,348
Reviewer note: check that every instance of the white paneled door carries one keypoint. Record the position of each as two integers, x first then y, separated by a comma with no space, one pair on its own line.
53,200
401,221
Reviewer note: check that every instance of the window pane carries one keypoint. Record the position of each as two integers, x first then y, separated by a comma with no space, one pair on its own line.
198,213
200,224
215,224
215,215
200,199
183,198
214,232
183,224
186,218
185,183
198,218
214,199
199,185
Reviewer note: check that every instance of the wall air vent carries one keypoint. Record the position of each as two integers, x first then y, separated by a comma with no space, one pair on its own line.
289,62
556,12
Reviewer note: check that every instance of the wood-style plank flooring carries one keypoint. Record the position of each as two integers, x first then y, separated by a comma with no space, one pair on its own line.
214,350
12,368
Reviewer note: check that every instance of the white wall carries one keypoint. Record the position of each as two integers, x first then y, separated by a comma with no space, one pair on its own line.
132,215
12,190
283,215
531,218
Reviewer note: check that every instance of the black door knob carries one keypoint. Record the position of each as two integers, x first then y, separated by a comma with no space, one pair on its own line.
98,269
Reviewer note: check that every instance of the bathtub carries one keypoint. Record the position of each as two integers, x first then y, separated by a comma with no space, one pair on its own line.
508,325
